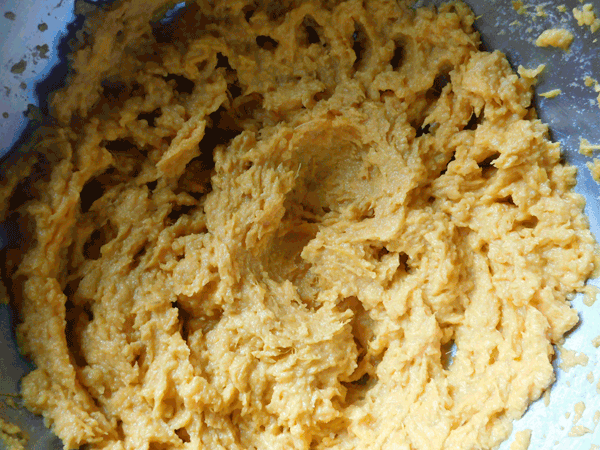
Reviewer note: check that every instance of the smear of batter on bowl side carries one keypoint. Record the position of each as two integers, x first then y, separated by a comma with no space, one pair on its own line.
267,225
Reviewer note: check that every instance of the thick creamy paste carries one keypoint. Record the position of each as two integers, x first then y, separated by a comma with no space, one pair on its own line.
268,225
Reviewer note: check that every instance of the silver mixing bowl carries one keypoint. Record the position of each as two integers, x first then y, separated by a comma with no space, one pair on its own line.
573,114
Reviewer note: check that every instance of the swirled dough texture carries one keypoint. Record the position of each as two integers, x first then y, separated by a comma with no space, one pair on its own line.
269,223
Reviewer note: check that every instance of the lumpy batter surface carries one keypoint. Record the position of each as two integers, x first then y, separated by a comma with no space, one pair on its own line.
296,225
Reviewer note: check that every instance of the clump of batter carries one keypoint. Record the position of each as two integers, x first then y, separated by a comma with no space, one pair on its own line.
555,37
269,224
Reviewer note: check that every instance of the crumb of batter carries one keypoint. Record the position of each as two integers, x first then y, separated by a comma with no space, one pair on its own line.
547,397
555,37
594,167
539,9
551,94
579,409
596,341
571,358
531,74
268,225
41,51
519,7
561,8
594,447
4,296
19,67
522,440
586,148
12,436
596,419
590,377
590,294
10,402
591,82
587,16
579,430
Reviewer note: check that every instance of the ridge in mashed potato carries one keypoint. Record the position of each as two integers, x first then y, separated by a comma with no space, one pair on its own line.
268,225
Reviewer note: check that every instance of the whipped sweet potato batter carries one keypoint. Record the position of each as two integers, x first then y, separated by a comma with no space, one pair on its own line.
269,224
